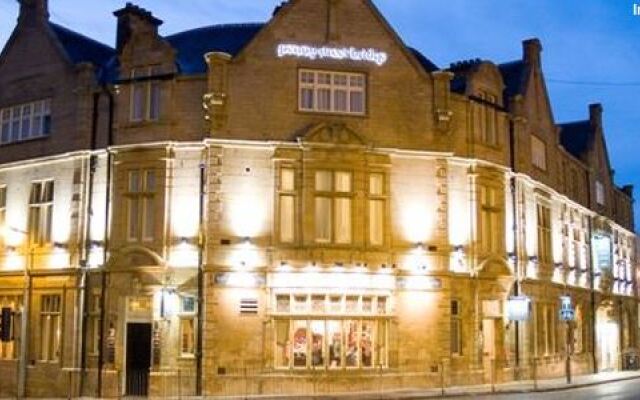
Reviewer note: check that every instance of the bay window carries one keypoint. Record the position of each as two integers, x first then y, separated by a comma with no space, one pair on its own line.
334,92
330,331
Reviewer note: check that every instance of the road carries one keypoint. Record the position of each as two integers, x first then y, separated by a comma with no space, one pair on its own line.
623,390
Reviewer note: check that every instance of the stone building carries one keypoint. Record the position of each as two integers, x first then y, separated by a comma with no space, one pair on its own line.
303,205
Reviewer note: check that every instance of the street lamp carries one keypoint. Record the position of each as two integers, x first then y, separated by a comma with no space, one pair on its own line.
6,232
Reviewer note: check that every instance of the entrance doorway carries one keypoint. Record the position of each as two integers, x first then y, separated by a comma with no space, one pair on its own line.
608,339
138,359
488,347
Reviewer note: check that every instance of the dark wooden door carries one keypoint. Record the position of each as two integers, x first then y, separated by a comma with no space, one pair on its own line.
138,359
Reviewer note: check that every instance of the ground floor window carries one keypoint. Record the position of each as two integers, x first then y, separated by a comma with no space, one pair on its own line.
50,327
331,343
10,314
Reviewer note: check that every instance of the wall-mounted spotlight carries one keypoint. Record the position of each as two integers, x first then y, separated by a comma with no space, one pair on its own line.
533,259
59,245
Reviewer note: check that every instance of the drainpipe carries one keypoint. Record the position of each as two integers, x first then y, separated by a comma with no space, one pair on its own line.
592,282
103,277
514,210
201,244
84,263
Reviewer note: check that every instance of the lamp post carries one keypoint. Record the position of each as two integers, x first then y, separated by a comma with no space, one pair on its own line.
24,321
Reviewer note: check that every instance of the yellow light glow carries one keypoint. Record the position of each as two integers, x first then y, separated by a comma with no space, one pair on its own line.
184,255
96,257
245,257
241,280
416,221
417,260
185,216
59,258
248,213
14,261
338,280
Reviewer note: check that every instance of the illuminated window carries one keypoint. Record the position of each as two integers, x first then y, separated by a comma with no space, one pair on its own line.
600,197
188,326
141,207
10,323
491,226
40,212
333,202
335,92
377,206
93,326
50,327
538,153
3,210
287,201
456,328
146,94
25,121
344,332
487,118
544,234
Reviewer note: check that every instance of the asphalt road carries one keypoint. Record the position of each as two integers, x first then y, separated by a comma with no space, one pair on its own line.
624,390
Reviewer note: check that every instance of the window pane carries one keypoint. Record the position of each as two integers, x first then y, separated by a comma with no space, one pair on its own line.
343,182
283,303
150,181
340,100
306,99
149,219
47,221
324,181
287,212
15,124
134,181
334,334
376,222
138,100
357,102
154,100
324,99
376,184
318,304
26,121
187,333
381,343
287,180
351,348
366,344
317,344
323,219
134,217
283,346
343,220
300,344
5,128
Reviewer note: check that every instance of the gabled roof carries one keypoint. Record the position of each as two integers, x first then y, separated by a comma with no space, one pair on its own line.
80,48
575,137
192,45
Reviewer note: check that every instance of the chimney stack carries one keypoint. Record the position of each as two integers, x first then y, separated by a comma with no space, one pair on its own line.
131,20
595,115
33,11
532,50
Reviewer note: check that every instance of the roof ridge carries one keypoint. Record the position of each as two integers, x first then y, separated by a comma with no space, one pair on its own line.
227,25
581,121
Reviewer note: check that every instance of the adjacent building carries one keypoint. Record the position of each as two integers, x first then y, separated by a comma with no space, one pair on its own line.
303,205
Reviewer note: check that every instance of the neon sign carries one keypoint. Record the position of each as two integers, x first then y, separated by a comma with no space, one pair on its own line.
333,53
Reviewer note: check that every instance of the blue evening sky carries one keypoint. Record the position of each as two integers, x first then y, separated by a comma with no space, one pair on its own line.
593,43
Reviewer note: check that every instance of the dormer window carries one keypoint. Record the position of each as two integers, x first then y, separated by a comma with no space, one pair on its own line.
25,121
145,94
600,197
538,153
488,115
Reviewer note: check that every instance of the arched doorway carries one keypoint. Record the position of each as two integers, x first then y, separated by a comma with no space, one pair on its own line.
608,338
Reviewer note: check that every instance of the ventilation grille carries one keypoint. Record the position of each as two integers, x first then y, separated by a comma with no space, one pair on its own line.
249,306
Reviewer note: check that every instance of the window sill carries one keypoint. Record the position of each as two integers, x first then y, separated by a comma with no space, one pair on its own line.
144,123
332,114
22,141
187,357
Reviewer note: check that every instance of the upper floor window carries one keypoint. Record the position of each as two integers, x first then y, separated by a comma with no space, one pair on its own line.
333,200
538,153
332,92
544,234
41,212
3,208
145,94
141,196
491,228
488,119
600,197
287,202
25,121
377,207
456,328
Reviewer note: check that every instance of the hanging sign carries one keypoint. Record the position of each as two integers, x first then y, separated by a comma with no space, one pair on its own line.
566,309
357,54
518,308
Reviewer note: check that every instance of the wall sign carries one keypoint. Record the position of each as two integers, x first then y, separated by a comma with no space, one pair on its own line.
518,308
333,53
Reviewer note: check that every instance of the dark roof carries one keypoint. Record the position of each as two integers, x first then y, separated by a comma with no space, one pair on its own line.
427,64
192,45
460,70
575,137
514,75
80,48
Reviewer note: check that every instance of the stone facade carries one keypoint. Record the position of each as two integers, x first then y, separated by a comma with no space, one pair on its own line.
214,229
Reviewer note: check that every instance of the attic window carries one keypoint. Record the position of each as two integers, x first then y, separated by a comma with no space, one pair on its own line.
25,121
538,153
600,197
146,94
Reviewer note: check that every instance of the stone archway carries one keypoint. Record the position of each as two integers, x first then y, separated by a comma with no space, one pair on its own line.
607,337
